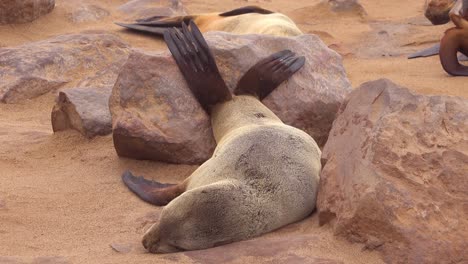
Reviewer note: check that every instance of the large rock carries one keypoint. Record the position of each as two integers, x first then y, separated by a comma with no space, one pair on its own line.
23,11
79,12
156,117
395,174
148,8
36,68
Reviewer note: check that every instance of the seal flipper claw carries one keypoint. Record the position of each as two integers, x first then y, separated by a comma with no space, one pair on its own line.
151,191
265,76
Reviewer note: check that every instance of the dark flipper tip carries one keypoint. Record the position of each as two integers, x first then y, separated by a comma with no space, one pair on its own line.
148,191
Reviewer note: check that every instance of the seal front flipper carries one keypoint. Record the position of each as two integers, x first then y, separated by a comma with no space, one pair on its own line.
269,73
197,64
454,40
150,191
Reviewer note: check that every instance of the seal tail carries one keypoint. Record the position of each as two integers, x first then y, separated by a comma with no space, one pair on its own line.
269,73
152,192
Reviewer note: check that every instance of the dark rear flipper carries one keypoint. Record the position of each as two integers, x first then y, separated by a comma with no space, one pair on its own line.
157,24
431,51
151,191
246,10
269,73
197,64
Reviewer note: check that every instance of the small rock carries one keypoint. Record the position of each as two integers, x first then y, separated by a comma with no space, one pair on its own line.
156,117
83,109
121,248
437,11
88,13
346,6
39,67
23,11
138,9
395,174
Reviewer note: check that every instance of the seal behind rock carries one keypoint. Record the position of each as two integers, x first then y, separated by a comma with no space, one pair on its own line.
263,174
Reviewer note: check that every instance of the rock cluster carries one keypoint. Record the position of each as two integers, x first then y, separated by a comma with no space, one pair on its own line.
36,68
156,117
23,11
395,174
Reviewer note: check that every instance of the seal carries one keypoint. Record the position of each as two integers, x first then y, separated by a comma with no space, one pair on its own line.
263,174
455,40
439,12
244,20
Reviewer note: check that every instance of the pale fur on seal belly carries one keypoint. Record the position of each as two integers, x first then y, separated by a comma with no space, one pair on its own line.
263,175
275,24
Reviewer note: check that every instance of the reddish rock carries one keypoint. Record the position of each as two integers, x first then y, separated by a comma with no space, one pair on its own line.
156,117
395,174
36,68
310,99
23,11
138,9
154,114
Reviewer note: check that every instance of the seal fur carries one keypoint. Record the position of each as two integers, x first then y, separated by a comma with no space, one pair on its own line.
263,174
244,20
455,40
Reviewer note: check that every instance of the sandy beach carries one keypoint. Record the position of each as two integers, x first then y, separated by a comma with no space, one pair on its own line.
61,196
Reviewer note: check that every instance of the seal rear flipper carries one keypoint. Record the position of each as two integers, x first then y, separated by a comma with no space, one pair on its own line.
265,76
431,51
246,10
151,191
157,24
197,64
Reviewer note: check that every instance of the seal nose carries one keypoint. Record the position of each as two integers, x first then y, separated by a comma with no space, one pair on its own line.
145,243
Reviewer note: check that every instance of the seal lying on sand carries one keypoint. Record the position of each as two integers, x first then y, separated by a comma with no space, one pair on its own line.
439,12
263,174
244,20
455,40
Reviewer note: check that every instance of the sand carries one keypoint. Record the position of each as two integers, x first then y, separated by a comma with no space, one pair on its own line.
61,197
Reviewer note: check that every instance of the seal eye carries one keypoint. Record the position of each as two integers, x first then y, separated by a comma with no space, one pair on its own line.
259,115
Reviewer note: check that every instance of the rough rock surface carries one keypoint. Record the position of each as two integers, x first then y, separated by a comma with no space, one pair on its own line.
148,8
34,69
395,174
86,108
83,109
154,114
156,117
87,13
23,11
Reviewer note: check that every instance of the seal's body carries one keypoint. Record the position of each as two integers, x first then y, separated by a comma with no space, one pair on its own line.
263,174
244,20
455,40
